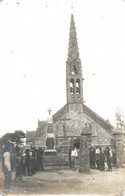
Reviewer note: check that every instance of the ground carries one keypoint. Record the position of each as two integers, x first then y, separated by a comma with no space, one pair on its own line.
70,182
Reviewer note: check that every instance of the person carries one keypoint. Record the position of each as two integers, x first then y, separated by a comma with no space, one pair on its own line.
28,162
92,157
23,163
97,157
74,154
102,159
18,175
6,165
40,158
33,161
109,158
70,162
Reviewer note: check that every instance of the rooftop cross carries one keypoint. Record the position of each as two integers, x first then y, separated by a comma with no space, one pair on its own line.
49,110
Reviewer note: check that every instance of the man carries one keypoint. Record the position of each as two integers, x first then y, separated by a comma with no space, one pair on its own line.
18,175
70,161
74,154
109,158
97,157
102,159
92,158
6,165
28,162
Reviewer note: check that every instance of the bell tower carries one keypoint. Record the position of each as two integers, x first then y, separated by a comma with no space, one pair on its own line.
74,80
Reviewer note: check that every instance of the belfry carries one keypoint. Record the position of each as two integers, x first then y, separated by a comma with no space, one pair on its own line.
67,123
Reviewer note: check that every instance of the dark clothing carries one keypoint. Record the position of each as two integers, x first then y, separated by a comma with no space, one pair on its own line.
102,161
70,161
18,167
97,160
23,165
92,158
40,159
28,164
109,163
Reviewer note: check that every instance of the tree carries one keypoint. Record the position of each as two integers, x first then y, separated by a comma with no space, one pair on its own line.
13,137
17,136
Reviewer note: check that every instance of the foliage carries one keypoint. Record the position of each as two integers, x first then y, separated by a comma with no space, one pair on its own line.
13,137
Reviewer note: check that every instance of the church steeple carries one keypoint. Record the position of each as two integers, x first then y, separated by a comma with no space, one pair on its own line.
74,81
73,53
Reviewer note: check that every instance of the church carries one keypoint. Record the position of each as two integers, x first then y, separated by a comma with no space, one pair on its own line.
63,129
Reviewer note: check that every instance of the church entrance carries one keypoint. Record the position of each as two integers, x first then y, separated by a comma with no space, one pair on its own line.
76,143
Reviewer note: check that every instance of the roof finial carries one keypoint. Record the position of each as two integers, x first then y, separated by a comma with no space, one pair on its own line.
49,110
72,6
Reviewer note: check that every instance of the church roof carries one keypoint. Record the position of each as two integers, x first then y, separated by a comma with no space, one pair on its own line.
88,112
99,120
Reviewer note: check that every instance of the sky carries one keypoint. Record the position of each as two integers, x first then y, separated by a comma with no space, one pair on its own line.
33,52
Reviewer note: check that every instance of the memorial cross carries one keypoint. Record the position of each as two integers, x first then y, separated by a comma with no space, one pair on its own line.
49,110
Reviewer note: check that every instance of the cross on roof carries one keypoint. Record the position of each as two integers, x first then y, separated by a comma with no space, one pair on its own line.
49,110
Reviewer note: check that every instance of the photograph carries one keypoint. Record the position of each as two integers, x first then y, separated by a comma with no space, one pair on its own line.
62,99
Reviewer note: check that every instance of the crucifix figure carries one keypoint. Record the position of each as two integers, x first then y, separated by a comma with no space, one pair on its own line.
64,119
49,110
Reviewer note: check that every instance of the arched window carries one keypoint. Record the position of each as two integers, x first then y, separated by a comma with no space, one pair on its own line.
71,86
74,71
78,86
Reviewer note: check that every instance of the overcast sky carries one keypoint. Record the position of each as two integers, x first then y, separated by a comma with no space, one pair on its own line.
33,51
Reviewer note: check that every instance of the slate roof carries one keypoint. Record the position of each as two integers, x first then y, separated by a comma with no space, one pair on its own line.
88,112
95,117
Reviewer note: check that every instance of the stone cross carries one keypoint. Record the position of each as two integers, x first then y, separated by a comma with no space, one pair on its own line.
49,110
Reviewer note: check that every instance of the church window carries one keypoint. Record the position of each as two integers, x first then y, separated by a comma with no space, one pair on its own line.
74,71
78,86
71,86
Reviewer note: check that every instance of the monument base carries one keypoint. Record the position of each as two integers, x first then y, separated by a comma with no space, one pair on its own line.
51,159
50,152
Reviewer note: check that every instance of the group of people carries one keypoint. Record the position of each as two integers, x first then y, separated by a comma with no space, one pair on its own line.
23,162
29,161
99,156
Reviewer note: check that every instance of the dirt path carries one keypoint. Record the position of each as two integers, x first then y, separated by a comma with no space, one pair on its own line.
72,182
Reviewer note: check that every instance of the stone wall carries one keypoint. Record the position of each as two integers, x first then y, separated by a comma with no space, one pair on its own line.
74,126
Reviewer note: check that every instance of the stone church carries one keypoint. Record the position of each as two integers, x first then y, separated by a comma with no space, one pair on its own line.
63,129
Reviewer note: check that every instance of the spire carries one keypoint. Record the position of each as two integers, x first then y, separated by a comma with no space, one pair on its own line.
73,51
74,80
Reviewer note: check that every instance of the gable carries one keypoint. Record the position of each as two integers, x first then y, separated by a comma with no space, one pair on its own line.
96,118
